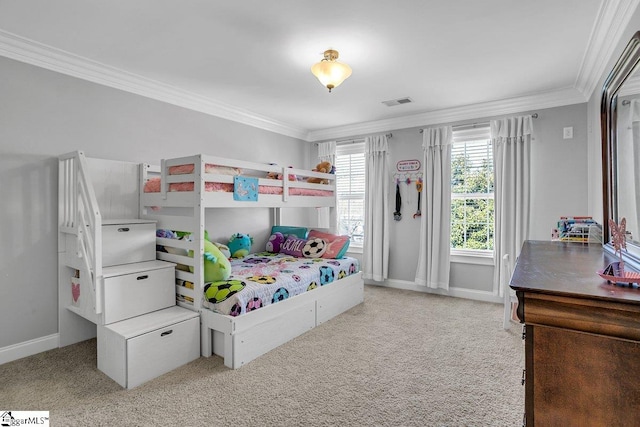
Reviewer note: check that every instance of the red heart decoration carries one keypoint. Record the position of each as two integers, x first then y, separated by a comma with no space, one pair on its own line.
75,291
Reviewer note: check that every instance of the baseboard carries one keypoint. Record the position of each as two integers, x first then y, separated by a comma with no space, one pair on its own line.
28,348
473,294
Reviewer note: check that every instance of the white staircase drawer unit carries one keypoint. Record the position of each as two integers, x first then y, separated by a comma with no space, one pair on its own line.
134,289
128,241
137,350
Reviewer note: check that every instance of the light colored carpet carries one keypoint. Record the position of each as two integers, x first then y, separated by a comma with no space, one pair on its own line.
401,358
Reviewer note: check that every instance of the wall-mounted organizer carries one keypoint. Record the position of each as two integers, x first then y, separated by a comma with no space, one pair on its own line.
414,182
408,178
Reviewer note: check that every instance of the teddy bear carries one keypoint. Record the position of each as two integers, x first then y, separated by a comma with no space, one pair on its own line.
324,167
277,175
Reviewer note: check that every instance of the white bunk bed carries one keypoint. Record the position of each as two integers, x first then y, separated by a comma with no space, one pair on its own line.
242,338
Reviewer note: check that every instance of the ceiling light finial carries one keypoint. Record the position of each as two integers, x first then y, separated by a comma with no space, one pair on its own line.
330,72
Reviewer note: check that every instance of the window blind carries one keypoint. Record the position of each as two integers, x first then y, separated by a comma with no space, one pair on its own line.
350,187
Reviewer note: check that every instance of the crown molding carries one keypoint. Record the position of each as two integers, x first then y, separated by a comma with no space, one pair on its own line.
31,52
542,100
613,14
611,22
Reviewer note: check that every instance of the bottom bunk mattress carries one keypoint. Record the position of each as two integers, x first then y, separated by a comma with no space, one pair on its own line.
265,278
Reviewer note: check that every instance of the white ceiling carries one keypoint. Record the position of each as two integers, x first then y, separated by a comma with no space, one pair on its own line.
250,60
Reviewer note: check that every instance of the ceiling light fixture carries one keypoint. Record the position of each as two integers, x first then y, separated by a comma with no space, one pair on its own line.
330,72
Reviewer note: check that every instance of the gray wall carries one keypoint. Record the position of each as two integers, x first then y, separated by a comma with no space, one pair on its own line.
44,114
558,188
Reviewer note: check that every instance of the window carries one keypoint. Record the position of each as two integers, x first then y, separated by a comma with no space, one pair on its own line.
472,205
351,189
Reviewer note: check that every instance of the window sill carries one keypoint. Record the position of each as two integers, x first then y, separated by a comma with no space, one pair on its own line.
472,257
355,250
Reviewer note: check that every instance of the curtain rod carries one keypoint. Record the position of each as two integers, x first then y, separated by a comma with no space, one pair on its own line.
351,141
354,140
474,125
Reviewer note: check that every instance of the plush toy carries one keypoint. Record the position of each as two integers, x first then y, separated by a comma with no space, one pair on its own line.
216,266
292,176
240,245
276,175
324,167
170,234
223,248
166,234
275,241
272,175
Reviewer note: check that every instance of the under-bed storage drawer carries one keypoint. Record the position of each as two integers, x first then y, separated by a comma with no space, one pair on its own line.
134,289
137,350
128,241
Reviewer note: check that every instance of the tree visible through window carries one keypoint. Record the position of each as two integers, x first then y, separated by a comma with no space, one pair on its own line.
351,190
472,204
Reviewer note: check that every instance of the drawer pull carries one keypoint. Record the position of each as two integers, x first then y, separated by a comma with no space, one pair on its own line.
165,333
146,276
123,229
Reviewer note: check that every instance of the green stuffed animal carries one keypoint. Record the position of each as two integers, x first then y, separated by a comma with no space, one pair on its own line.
216,266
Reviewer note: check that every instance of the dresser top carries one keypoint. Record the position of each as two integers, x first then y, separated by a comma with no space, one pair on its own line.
567,268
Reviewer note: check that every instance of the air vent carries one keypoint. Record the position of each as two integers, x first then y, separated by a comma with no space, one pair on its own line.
398,101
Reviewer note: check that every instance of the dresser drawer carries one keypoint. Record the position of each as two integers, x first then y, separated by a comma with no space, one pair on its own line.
137,289
137,350
128,241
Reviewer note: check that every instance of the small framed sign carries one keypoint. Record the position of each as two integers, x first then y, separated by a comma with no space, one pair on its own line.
245,189
408,165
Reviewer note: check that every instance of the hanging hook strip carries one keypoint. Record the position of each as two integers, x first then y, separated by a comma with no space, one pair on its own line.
407,177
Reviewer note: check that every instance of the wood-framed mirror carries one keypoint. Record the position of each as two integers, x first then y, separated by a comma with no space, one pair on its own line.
620,124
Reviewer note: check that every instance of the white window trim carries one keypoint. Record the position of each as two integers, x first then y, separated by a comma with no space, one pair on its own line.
354,147
355,249
472,256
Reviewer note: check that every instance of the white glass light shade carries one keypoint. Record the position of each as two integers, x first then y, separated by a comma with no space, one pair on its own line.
331,73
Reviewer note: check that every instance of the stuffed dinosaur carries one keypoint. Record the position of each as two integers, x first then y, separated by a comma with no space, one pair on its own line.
216,266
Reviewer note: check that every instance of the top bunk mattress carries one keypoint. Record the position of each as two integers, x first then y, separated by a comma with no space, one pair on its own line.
266,278
154,184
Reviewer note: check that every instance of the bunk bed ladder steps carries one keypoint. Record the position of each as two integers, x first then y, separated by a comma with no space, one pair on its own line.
118,284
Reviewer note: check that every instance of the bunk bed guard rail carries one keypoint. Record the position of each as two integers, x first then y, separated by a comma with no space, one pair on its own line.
79,214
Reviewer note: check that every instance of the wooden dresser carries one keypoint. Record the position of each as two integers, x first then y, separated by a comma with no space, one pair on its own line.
582,338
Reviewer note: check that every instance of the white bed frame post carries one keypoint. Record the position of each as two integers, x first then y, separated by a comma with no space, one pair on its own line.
198,267
276,216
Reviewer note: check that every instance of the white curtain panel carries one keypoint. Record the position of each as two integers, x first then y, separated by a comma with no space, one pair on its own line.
327,153
435,222
511,140
375,257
